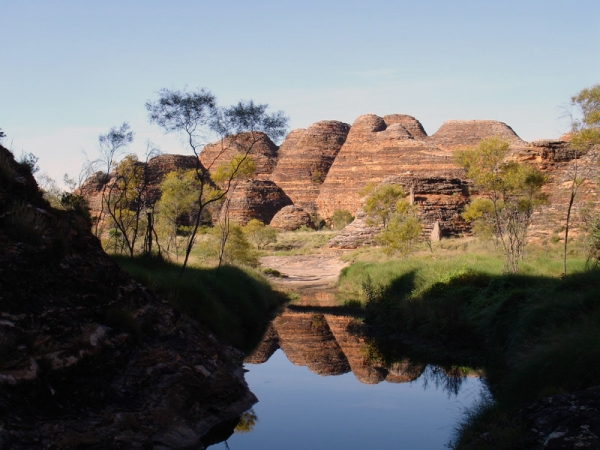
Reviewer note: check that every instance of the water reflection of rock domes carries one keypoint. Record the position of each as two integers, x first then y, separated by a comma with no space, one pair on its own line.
323,343
266,348
306,340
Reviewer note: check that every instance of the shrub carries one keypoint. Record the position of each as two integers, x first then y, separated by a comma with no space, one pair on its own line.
23,223
341,218
260,234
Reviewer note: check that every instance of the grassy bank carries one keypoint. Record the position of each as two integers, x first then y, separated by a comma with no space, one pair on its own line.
235,304
540,333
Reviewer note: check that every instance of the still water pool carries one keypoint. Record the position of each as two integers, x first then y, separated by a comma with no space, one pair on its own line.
299,409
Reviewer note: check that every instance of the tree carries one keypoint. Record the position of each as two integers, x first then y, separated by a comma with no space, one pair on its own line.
380,202
386,205
235,250
175,209
128,202
586,129
585,133
513,191
402,231
52,193
340,218
196,117
110,147
260,234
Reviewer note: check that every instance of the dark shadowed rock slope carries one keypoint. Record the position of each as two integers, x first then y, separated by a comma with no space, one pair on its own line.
88,357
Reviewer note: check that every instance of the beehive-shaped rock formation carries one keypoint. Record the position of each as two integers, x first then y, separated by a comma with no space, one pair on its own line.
255,199
455,134
257,145
375,150
305,161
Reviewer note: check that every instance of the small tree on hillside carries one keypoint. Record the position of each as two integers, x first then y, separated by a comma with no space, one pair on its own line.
512,190
196,117
386,205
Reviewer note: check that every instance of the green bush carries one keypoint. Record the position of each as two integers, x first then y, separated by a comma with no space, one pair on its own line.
340,218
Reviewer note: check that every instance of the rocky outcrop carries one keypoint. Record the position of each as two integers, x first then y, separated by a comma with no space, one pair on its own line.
375,150
88,357
358,233
439,202
455,134
256,145
161,165
290,218
155,171
563,421
305,160
255,199
409,123
560,162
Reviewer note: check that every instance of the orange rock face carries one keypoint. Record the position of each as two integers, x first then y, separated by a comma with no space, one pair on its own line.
375,150
256,199
305,160
258,145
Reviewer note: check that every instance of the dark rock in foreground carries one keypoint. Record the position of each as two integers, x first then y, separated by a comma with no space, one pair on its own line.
88,357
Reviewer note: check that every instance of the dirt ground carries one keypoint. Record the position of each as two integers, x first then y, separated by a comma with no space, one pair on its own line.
312,276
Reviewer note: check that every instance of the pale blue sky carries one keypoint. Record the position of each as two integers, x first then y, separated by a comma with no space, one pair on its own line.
72,69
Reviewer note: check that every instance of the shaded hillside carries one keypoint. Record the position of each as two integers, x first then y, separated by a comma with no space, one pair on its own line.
88,357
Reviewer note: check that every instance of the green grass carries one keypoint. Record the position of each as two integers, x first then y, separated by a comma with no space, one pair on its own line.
539,331
299,242
235,304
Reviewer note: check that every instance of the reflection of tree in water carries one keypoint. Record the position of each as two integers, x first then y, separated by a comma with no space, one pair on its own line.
450,379
443,373
246,422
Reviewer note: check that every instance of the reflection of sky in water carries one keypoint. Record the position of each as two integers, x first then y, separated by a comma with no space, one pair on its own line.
300,410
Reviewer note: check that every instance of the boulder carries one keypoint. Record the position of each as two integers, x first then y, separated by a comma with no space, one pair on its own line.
290,218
